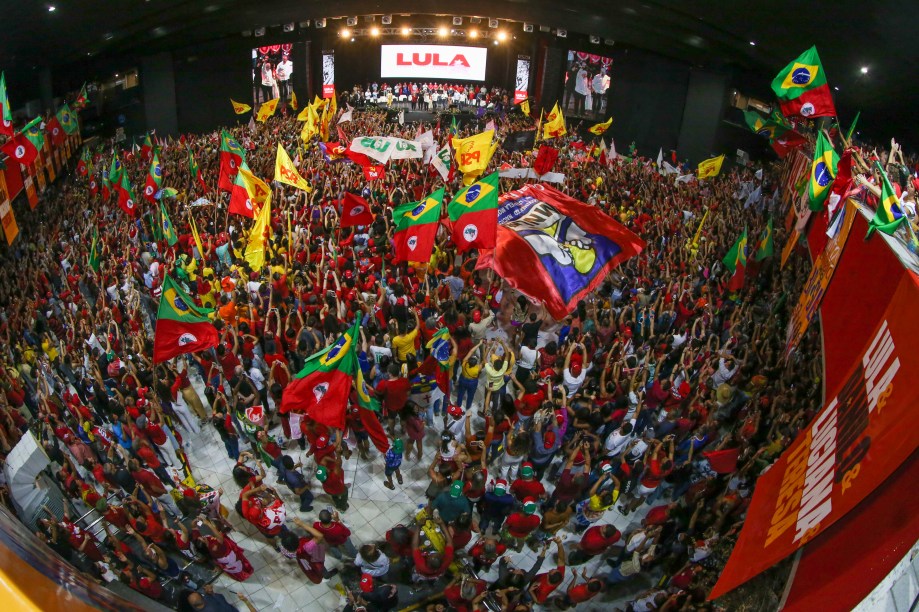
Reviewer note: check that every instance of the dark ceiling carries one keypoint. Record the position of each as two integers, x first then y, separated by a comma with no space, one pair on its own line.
714,33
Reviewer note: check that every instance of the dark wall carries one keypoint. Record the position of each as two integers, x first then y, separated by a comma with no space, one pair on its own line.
206,78
158,77
706,98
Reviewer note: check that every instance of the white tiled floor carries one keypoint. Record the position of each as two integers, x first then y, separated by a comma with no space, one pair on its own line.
278,584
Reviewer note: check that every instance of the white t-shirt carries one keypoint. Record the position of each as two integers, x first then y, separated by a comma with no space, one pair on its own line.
284,70
379,352
527,358
617,441
572,384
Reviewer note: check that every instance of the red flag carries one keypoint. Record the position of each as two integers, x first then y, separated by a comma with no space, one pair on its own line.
55,131
545,159
374,172
93,187
784,144
20,149
358,158
374,429
842,183
554,248
355,211
341,136
723,461
81,167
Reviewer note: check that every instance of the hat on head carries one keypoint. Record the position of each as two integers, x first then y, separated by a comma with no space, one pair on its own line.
548,439
455,410
526,470
529,505
190,493
576,369
101,505
477,316
501,487
322,442
456,488
366,583
606,466
397,445
321,473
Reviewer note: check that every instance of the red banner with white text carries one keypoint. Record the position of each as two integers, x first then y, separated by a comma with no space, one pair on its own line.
868,428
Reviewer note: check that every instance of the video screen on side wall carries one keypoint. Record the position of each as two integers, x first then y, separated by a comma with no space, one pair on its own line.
587,83
445,62
272,73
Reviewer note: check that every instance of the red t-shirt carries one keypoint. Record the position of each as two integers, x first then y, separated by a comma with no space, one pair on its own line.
594,543
421,563
580,593
150,483
520,525
335,534
335,483
521,489
394,393
544,588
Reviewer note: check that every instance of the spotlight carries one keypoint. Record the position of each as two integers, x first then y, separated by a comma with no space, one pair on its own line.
374,31
528,27
475,20
386,20
864,69
492,23
52,8
288,27
502,35
345,33
561,33
352,21
752,43
495,42
595,40
406,31
320,23
457,21
473,33
442,32
259,31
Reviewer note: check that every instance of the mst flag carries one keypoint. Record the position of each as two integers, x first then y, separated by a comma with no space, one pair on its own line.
25,145
126,195
355,211
368,407
474,215
55,131
231,158
710,167
736,262
473,154
416,226
802,89
600,128
266,110
766,245
554,248
154,179
285,171
888,216
321,389
181,327
240,108
6,116
823,171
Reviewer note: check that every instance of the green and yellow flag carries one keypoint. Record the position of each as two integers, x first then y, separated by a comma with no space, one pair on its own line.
766,246
888,216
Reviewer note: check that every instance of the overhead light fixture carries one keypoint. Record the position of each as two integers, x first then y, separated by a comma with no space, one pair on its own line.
259,32
594,40
609,42
457,21
543,28
406,31
836,87
320,23
386,20
528,27
345,33
352,21
289,27
475,20
502,35
752,43
52,8
864,69
374,31
492,23
304,24
442,32
561,33
473,33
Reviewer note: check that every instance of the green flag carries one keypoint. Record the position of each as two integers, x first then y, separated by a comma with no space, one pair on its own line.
888,216
766,246
67,119
169,232
6,117
33,132
94,251
823,171
737,256
852,127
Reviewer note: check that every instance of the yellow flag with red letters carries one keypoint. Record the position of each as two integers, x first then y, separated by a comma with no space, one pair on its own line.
266,110
473,154
285,171
240,108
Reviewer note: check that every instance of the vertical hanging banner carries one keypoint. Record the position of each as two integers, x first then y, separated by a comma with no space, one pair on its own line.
10,229
328,74
522,83
39,175
863,434
31,194
817,283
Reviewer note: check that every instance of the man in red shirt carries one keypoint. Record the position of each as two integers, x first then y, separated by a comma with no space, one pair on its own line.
393,391
485,552
579,593
336,535
519,525
333,483
544,584
152,486
527,486
432,565
595,541
263,508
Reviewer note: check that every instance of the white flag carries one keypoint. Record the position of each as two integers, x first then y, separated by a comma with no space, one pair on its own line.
405,149
346,116
441,162
426,139
668,169
686,178
401,117
660,160
612,150
379,148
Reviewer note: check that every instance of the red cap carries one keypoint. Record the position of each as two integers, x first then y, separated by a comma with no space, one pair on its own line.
454,410
477,316
576,369
548,439
322,442
189,493
366,583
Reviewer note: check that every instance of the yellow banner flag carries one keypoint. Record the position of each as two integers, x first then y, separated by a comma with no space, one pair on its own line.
239,108
293,99
7,219
255,246
539,126
710,167
266,110
525,107
258,190
555,124
600,128
285,172
473,154
333,104
194,233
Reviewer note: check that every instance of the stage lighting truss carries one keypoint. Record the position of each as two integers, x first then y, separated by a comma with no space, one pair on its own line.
423,33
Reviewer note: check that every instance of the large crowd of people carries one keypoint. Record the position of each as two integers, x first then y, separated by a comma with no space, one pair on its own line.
549,435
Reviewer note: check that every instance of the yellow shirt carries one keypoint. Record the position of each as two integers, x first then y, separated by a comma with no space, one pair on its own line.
471,371
404,345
